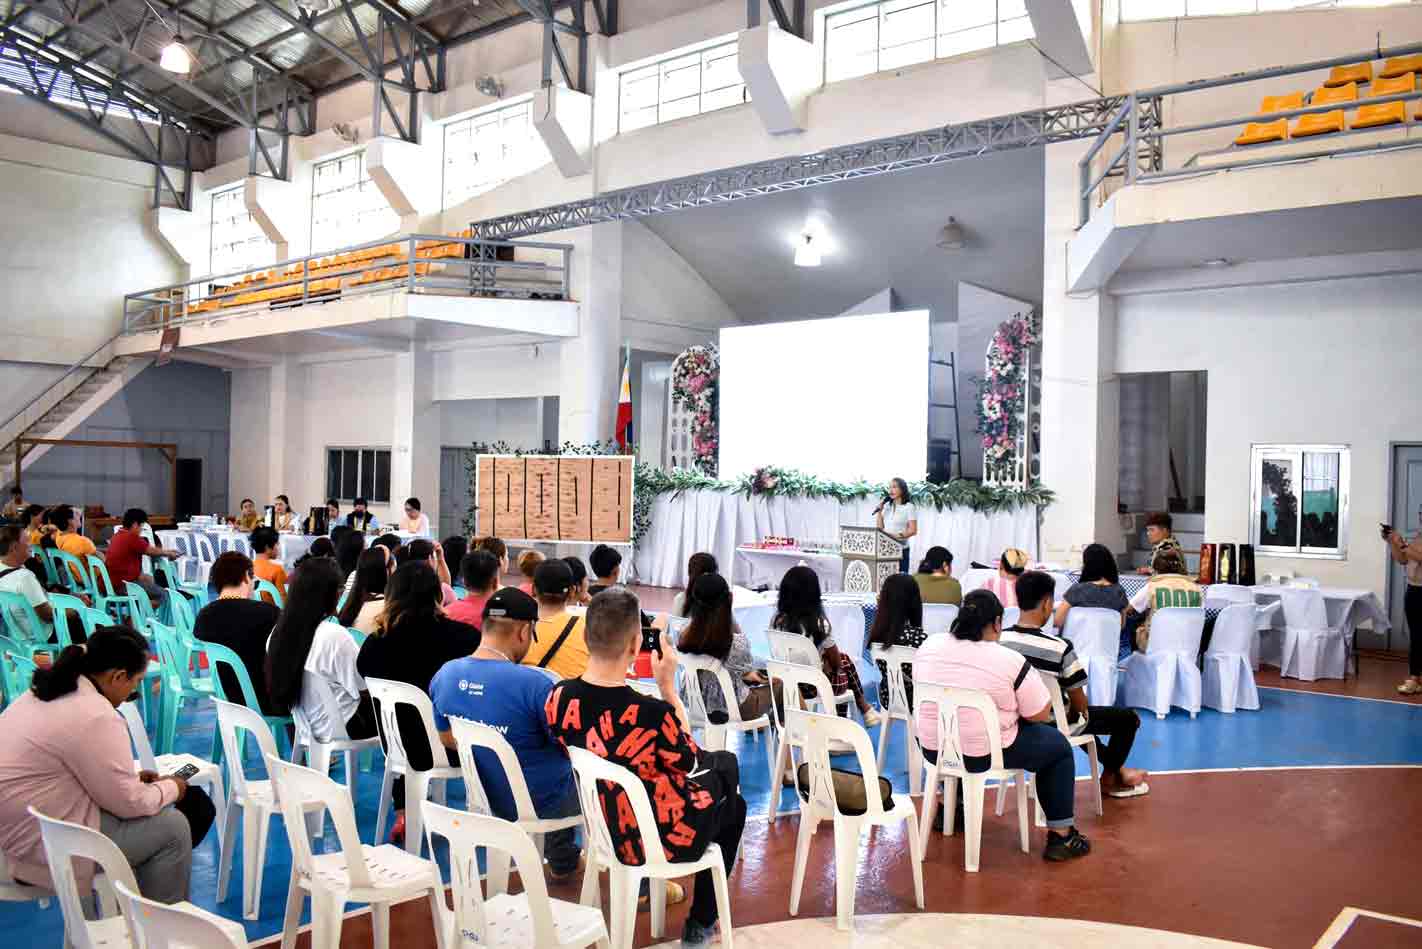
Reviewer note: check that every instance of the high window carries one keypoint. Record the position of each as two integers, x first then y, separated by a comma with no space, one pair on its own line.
1300,500
1171,9
346,206
889,34
358,473
236,242
489,148
686,84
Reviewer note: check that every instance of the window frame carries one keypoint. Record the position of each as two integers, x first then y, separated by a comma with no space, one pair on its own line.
1300,6
936,36
1295,452
361,183
223,194
536,155
701,51
375,451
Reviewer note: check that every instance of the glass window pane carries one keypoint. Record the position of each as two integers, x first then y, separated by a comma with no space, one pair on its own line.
720,68
1152,9
1218,7
680,78
382,477
1015,30
851,43
367,473
1321,499
906,30
350,471
1278,503
722,98
333,474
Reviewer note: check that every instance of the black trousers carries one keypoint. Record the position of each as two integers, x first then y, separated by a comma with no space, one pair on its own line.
198,808
723,781
1117,724
1412,609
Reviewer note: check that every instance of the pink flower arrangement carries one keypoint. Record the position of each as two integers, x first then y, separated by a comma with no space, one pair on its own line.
694,387
1001,392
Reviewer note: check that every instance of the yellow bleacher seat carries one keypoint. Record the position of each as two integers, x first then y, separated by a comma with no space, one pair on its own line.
1342,75
1400,65
1388,113
1321,123
1256,132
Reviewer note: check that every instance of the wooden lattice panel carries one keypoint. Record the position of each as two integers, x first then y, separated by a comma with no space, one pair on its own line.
484,518
508,497
612,499
575,480
540,495
556,497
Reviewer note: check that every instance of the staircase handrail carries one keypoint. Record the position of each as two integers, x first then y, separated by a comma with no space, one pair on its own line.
6,439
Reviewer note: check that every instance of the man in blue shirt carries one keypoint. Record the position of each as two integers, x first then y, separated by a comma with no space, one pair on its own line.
492,688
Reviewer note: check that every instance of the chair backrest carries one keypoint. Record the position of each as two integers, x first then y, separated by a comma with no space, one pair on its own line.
467,832
693,666
938,617
1093,631
232,719
792,647
1234,630
469,735
63,604
182,542
390,695
820,730
141,603
949,704
138,734
321,689
1224,593
64,841
73,572
270,589
295,785
16,608
1176,629
99,575
16,668
1304,609
218,656
591,771
792,675
895,658
50,570
1054,692
180,609
160,926
173,656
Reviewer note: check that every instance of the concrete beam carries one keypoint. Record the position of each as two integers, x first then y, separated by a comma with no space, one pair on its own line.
408,175
281,209
182,235
563,119
780,71
1063,31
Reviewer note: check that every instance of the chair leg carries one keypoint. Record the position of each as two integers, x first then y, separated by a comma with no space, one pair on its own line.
219,806
925,819
417,788
883,749
802,854
325,922
913,760
591,893
782,752
254,852
974,791
915,860
623,896
380,924
846,862
723,903
1022,812
293,915
1095,777
383,808
224,856
657,896
1002,786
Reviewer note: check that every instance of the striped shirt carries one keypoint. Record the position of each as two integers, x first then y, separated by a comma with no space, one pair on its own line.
1047,653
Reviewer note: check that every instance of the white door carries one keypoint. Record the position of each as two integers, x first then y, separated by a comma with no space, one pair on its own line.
455,489
1406,517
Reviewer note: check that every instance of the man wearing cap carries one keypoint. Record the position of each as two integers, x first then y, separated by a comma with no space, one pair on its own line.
490,687
558,642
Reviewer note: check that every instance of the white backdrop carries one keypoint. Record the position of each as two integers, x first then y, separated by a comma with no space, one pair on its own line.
683,524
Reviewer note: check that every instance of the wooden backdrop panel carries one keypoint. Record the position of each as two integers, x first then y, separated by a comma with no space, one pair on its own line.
484,517
508,497
575,483
541,498
612,499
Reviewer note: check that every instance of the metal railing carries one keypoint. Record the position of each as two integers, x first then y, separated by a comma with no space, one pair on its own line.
416,263
1142,132
53,394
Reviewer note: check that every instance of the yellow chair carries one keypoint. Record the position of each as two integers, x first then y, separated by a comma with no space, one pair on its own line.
1400,65
1256,132
1342,75
1322,123
1387,113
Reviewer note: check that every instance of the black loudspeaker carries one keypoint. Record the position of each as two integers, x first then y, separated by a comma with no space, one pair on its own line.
940,461
189,476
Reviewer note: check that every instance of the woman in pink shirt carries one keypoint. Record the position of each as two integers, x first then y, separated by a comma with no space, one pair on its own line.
970,657
65,751
1009,568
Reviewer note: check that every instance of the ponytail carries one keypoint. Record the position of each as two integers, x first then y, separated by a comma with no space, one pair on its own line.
980,610
109,647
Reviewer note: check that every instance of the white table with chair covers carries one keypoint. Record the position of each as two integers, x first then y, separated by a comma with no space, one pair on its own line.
764,566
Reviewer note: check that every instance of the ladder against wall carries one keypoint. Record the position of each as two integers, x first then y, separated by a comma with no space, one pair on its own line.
945,453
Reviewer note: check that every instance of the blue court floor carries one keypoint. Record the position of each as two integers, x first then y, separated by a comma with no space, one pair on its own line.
1291,729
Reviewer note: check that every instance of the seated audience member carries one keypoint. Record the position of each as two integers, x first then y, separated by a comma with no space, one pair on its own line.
936,583
1168,586
412,640
14,508
1098,587
897,622
65,751
578,595
1009,568
34,523
599,712
696,565
349,546
360,519
124,557
248,518
333,516
15,577
606,566
69,539
1051,655
366,601
240,623
305,646
480,573
421,549
454,547
1158,532
713,632
499,549
415,521
972,658
800,609
528,562
558,642
320,547
265,546
285,516
492,688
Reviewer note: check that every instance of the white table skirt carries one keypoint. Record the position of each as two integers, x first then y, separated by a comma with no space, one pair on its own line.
756,567
1346,607
718,523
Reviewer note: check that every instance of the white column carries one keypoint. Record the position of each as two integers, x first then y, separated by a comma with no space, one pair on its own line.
590,363
414,455
285,431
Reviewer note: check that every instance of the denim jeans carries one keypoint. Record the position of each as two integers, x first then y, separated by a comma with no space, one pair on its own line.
1044,751
560,847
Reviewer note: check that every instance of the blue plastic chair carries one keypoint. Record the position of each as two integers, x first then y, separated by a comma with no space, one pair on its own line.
180,611
51,573
218,655
106,595
72,573
169,572
357,635
16,671
269,588
143,606
32,634
63,604
179,687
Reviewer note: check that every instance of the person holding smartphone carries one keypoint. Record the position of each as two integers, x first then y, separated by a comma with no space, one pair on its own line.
65,751
1409,554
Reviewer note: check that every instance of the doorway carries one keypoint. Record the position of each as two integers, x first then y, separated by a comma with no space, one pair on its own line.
1406,516
455,489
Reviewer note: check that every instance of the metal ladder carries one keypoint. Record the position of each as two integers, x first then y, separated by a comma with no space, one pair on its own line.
936,440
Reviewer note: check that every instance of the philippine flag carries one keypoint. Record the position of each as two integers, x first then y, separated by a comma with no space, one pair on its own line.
624,407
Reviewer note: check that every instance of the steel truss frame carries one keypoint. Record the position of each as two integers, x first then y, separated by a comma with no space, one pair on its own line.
1078,120
420,52
791,21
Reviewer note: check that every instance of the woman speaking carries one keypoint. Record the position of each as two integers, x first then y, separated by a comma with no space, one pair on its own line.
898,516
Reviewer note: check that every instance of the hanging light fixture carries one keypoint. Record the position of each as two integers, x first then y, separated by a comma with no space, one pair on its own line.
807,254
952,237
175,57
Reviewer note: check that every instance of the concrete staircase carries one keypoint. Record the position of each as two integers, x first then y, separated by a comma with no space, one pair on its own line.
1189,530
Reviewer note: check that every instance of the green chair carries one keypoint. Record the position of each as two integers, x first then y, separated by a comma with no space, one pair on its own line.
143,605
51,573
180,611
179,687
269,588
217,656
357,635
106,595
169,572
72,573
63,604
16,671
30,634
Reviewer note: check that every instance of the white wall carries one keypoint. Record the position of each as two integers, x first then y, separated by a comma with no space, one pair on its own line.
251,412
666,304
519,422
1325,362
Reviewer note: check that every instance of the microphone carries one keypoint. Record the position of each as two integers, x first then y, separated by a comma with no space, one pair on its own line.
882,502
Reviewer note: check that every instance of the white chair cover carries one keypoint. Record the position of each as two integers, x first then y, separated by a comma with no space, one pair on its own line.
1095,634
1312,649
1228,677
938,617
1166,674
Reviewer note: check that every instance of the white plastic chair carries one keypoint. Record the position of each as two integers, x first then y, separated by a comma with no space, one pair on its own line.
470,735
1312,647
938,617
690,666
389,695
177,926
1166,673
895,658
1095,636
789,734
1087,742
1227,681
1220,595
64,841
822,804
625,879
254,800
378,875
529,919
320,752
1010,616
792,647
209,775
204,548
950,704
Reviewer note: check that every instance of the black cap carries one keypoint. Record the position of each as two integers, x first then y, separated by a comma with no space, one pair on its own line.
511,603
553,578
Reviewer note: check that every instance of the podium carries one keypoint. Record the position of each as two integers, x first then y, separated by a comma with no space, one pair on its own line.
869,556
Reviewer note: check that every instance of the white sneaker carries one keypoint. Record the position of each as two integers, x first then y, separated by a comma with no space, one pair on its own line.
872,718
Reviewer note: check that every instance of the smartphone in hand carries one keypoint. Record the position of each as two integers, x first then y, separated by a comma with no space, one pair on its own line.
185,772
652,640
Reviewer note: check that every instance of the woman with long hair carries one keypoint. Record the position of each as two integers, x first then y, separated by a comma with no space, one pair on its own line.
800,609
411,640
1099,585
348,550
65,752
897,622
304,645
367,597
698,564
898,515
713,632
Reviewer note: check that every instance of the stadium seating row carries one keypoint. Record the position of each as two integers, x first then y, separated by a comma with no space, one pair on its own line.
1396,76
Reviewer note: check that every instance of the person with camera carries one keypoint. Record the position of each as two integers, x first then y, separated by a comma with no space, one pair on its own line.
1409,554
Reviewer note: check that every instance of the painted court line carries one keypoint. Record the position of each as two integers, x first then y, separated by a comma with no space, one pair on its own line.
1345,919
1335,695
